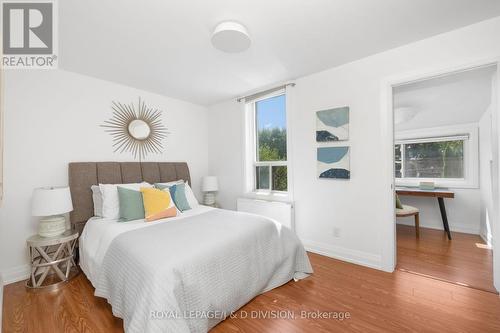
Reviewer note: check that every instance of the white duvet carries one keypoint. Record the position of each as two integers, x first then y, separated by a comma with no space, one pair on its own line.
186,274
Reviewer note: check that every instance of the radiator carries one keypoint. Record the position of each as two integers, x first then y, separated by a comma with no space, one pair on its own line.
282,212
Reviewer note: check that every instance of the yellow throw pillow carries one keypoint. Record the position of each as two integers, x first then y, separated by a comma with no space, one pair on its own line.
157,204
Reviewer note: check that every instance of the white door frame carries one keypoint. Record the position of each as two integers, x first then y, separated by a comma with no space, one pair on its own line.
388,232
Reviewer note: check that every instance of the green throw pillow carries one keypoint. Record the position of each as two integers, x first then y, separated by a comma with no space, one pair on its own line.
178,193
131,204
399,205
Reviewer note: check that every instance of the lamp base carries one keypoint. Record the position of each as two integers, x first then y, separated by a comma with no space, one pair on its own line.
52,226
209,199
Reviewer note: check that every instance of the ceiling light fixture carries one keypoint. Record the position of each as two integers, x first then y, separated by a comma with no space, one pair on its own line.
230,37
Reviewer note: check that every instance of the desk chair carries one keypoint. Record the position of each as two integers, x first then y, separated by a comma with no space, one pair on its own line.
406,211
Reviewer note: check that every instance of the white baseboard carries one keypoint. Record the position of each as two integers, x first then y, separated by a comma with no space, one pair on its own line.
486,238
456,228
1,301
337,252
16,274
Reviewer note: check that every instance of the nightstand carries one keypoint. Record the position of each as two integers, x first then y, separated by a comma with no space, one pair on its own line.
52,255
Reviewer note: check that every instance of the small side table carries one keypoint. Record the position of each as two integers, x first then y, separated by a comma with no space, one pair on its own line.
52,254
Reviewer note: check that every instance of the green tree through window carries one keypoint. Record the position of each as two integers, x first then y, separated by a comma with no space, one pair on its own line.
440,159
270,121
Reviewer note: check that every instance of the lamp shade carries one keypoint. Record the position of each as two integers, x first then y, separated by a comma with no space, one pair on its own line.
49,201
209,184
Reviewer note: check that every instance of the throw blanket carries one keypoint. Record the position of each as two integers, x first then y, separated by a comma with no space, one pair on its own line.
187,275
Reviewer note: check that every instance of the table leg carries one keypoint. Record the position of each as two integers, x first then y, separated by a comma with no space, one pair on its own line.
442,208
48,259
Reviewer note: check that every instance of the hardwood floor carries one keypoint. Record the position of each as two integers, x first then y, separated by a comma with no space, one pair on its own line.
376,302
464,259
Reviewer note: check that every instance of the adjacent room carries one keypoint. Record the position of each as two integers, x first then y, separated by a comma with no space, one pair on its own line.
249,166
443,175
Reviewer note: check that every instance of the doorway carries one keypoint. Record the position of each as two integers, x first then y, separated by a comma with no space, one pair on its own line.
444,166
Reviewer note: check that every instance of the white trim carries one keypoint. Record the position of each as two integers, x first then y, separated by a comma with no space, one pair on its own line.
387,213
495,170
467,132
289,94
456,227
268,196
433,139
248,173
250,153
341,253
486,238
1,301
16,274
2,132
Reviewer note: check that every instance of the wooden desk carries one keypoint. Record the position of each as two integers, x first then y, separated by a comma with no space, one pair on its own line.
440,194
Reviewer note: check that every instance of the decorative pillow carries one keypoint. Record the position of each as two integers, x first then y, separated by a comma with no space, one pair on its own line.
97,199
131,204
178,193
192,201
158,204
163,186
399,205
110,199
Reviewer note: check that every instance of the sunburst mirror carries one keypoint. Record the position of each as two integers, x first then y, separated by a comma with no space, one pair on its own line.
137,129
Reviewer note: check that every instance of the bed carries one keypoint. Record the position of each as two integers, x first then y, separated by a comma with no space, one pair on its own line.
181,274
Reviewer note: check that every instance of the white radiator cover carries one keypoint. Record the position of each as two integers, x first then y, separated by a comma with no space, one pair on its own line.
282,212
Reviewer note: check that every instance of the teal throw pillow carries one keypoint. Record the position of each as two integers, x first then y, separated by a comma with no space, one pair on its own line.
131,204
178,193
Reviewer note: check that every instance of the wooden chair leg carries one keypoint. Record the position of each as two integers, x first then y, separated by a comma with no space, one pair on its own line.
417,225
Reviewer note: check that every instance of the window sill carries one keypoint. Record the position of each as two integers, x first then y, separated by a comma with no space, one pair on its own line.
269,196
437,183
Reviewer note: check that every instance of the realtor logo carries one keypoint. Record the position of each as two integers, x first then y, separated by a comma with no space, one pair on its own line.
28,32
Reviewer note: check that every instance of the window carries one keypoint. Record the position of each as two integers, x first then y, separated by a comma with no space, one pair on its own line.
447,160
433,159
270,166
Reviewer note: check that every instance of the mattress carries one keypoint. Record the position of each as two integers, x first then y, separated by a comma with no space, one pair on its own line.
187,273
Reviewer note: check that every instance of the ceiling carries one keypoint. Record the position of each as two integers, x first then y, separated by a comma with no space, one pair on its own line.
458,98
163,46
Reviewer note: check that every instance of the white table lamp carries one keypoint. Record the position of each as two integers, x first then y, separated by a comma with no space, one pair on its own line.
209,186
51,203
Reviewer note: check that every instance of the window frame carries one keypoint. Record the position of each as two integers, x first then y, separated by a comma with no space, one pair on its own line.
467,132
252,152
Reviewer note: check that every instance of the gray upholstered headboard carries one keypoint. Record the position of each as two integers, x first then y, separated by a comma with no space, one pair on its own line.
82,175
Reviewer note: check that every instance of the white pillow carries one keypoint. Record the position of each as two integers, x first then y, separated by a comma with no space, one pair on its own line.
193,203
97,198
110,199
180,181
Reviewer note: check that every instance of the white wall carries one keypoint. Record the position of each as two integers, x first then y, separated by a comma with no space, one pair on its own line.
458,98
485,175
226,150
354,206
54,117
463,211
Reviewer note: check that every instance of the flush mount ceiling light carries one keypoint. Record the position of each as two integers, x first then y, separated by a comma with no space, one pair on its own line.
231,37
